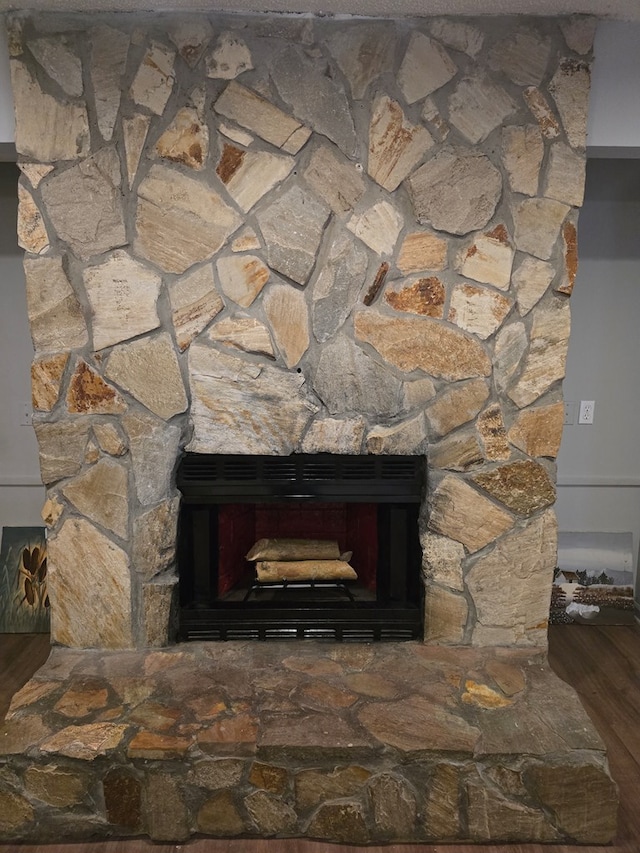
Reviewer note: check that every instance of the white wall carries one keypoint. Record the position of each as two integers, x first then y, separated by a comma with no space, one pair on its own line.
599,465
21,491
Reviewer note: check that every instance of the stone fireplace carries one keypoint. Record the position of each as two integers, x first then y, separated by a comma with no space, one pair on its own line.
288,235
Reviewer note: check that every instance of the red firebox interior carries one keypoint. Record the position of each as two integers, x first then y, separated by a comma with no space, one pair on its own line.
353,525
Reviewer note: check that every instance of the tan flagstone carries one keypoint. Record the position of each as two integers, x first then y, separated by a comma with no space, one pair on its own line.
195,301
523,56
153,445
261,117
243,333
186,140
60,62
246,241
545,361
134,131
242,277
180,221
538,431
542,112
85,742
569,88
456,191
459,451
229,58
236,134
286,310
400,438
492,432
242,407
530,282
432,115
102,495
333,435
123,295
148,369
418,392
459,35
460,512
523,486
32,232
292,228
442,560
424,296
109,438
422,250
46,129
55,315
477,106
85,204
155,537
422,343
89,394
445,616
565,175
35,172
46,378
511,344
191,35
522,153
158,605
109,51
488,258
379,227
77,555
249,175
456,405
426,67
478,310
364,51
570,255
155,78
537,224
395,145
61,448
335,179
441,814
520,610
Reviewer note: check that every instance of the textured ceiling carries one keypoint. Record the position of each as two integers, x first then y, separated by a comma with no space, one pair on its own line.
621,9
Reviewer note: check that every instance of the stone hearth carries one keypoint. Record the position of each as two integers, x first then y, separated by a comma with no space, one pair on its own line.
274,235
350,743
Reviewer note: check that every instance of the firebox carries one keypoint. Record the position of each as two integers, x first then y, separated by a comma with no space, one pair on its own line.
366,508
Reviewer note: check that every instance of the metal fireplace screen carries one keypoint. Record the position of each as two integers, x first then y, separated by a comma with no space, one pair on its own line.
368,505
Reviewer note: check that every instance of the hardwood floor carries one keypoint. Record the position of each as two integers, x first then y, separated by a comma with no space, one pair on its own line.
602,664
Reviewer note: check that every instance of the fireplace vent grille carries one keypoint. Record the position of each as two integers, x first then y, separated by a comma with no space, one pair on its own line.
325,476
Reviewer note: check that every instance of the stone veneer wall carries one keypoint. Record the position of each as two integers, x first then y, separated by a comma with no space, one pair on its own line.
278,234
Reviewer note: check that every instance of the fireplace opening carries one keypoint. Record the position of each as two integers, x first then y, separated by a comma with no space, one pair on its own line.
360,511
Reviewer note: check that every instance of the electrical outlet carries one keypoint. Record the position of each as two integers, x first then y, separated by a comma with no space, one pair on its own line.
586,411
569,414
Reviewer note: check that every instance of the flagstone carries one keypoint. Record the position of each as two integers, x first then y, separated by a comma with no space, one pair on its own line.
123,296
565,175
488,258
154,81
242,277
538,431
333,435
89,394
523,56
186,140
462,513
243,333
395,145
249,175
261,117
478,310
456,191
109,51
511,344
542,112
579,32
191,37
292,228
461,36
456,405
229,58
35,172
530,282
134,132
56,56
569,88
425,296
101,494
32,231
522,153
46,379
179,220
570,256
153,445
493,434
426,67
195,301
61,448
400,438
286,310
337,285
523,486
422,250
364,51
537,223
379,227
545,361
55,315
477,106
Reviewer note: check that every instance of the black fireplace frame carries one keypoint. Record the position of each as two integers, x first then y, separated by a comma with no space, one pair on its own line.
395,484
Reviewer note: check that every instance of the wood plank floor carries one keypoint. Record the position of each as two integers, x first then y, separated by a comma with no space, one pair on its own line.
602,663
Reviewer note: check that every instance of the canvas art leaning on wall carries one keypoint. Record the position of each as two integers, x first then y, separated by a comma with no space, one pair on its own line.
24,602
